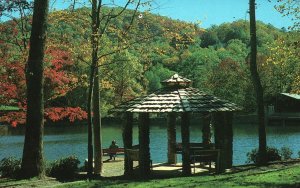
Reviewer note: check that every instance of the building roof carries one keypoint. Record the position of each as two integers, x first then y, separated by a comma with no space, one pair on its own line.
176,99
177,79
295,96
9,108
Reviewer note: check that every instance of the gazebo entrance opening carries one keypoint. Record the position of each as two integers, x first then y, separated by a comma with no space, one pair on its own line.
177,98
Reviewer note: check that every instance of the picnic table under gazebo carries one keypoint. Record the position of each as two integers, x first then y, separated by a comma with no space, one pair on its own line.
178,98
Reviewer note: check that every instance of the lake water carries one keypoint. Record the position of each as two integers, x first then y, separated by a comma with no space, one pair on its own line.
64,141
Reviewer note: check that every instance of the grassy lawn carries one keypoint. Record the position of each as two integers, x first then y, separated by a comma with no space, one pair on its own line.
283,175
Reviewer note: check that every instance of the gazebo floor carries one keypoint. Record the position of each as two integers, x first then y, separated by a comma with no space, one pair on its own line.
165,169
116,168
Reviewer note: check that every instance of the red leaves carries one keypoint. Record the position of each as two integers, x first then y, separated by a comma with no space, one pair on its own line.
7,91
12,82
14,118
59,80
53,114
61,113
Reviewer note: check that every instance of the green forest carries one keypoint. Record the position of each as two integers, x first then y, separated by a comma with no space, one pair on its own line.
216,60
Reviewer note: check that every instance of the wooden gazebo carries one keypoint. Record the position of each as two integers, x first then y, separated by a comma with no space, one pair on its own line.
177,98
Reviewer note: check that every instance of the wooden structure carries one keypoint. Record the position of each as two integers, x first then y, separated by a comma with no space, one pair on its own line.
134,155
113,151
286,109
6,109
177,98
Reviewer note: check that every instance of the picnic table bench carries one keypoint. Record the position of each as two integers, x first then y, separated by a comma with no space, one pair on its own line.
113,151
200,152
206,155
194,146
107,151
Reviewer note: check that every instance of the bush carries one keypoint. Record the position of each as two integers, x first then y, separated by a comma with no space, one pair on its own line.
64,168
286,153
272,155
10,167
299,154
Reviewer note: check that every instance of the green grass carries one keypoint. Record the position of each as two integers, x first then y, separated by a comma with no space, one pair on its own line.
286,177
272,176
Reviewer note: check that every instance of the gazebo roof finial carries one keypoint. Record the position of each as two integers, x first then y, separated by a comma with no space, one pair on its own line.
177,81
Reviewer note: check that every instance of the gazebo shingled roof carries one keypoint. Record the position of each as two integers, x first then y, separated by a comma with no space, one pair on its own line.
176,96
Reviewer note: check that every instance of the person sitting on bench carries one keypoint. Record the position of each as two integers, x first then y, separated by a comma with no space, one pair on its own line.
113,146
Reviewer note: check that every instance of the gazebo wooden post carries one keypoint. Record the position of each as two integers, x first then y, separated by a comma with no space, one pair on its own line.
127,118
206,129
184,99
144,141
172,138
224,137
185,135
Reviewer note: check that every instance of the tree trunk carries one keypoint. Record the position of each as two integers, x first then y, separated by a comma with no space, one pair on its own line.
127,140
171,138
223,138
97,125
262,157
90,124
94,43
33,158
144,142
185,135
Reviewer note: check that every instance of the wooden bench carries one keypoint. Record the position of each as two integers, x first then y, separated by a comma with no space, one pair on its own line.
193,146
113,151
206,155
134,155
200,152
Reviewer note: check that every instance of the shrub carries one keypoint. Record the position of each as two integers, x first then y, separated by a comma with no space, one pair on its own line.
272,155
64,168
10,167
286,153
299,154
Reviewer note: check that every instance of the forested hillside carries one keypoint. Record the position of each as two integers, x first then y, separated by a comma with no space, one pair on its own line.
216,60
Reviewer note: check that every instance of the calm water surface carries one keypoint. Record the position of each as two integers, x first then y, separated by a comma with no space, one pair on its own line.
64,141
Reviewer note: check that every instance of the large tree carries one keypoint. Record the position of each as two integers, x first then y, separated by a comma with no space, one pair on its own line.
258,87
60,77
33,159
101,22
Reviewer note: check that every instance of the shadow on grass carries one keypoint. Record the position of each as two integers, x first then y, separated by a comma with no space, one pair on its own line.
265,184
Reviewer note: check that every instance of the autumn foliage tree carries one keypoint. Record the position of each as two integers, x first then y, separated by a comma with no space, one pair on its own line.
60,78
281,67
33,156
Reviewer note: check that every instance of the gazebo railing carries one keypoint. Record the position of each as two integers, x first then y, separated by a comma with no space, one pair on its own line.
195,146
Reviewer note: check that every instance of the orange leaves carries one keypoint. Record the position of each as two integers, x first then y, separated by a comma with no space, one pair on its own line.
59,80
7,91
12,81
62,113
14,118
54,114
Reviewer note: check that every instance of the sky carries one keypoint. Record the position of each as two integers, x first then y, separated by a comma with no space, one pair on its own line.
215,12
212,12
